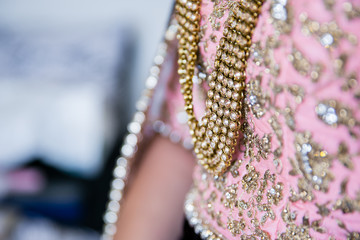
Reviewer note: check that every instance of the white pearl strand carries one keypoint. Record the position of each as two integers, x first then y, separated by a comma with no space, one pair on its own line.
134,136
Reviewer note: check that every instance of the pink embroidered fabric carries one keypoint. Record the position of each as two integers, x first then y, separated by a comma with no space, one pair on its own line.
298,171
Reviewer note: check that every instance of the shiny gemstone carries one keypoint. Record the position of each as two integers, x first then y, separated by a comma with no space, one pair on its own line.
321,109
326,39
253,99
279,12
315,178
331,117
227,195
307,167
327,113
306,148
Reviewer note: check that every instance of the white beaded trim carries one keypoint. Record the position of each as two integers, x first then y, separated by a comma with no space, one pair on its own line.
174,136
201,227
133,138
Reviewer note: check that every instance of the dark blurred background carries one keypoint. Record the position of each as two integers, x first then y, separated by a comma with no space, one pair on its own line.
70,72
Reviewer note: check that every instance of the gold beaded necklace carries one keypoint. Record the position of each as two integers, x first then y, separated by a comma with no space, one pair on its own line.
215,136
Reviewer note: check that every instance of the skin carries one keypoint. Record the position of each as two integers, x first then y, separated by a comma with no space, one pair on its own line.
153,207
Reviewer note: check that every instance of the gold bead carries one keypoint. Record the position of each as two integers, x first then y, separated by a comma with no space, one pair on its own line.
215,136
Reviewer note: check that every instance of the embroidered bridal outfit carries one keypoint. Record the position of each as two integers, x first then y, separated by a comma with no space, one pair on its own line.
267,96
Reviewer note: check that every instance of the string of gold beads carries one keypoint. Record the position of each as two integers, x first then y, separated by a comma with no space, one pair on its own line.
215,136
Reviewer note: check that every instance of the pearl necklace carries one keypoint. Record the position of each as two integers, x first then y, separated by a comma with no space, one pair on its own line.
215,136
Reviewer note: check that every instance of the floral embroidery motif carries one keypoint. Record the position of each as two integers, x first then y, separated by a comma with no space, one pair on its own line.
250,193
334,113
300,231
313,162
304,66
257,98
235,226
328,34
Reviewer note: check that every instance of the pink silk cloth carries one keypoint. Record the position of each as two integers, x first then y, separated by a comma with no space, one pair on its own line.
298,168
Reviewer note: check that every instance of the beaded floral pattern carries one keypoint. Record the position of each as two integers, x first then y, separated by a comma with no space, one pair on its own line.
296,173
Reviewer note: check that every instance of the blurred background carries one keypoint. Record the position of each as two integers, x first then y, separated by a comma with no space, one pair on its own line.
70,71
